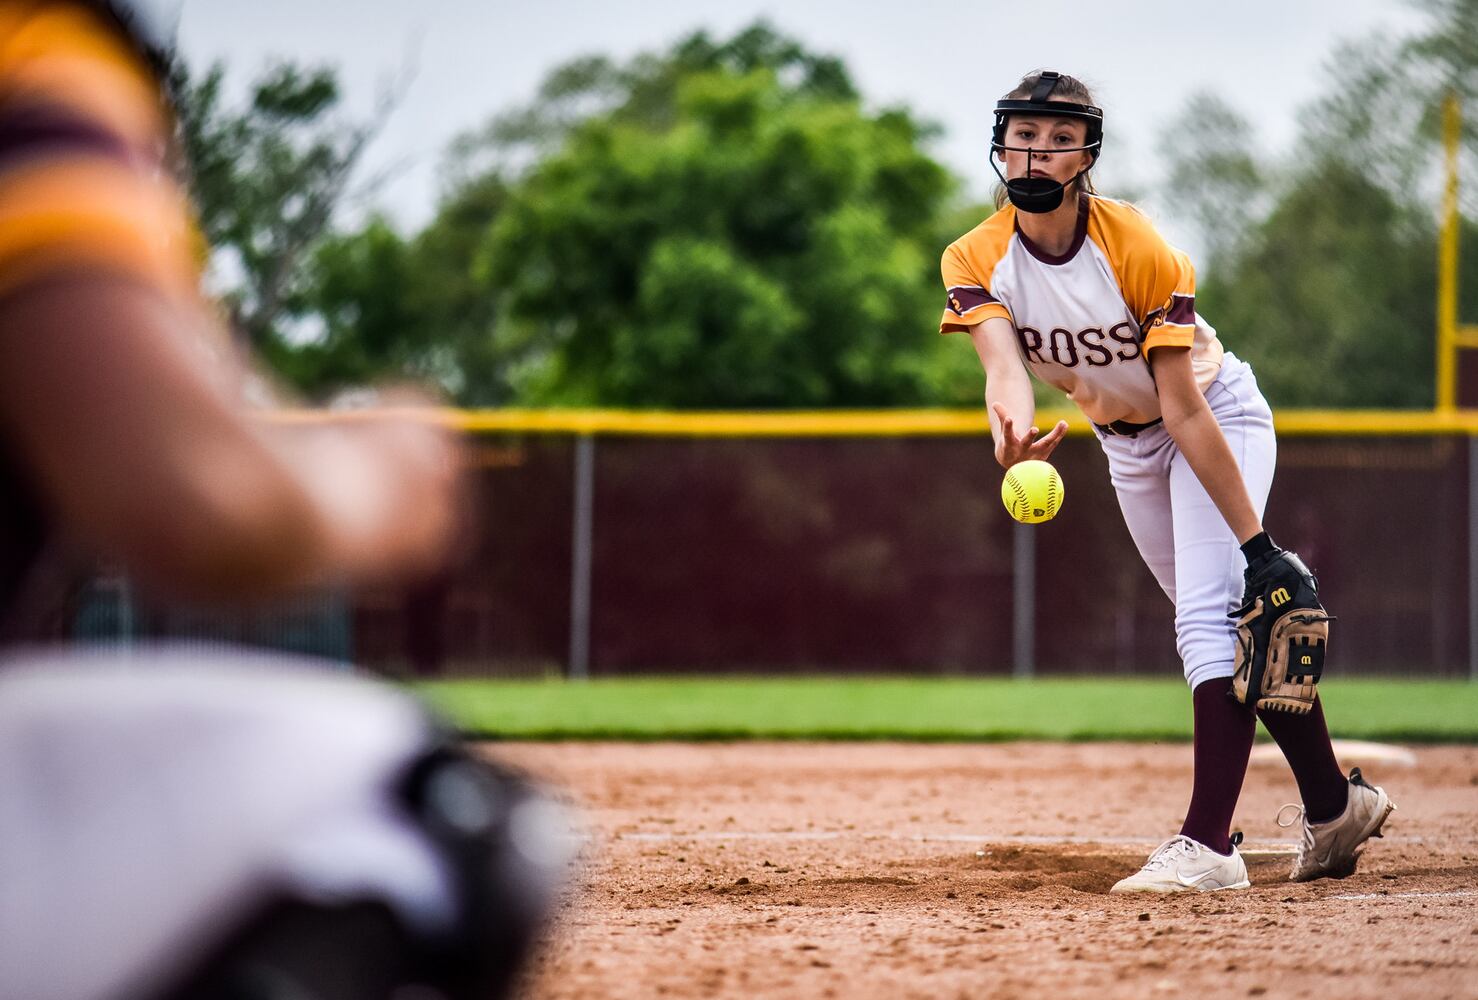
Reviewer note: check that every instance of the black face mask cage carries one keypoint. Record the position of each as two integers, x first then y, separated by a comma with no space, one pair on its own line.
1042,194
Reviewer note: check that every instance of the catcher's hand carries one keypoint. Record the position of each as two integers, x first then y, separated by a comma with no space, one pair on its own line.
1282,632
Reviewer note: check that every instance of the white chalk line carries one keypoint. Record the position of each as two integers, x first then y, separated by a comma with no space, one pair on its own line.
1453,894
1022,840
1016,840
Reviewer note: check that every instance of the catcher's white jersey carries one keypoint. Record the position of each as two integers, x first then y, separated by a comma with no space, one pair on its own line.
1085,320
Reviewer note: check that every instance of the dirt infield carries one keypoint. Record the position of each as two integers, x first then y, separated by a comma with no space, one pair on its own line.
887,870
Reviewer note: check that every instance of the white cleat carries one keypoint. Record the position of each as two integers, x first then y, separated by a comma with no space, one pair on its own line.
1332,849
1185,865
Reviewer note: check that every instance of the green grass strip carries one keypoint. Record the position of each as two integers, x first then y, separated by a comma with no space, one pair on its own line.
917,709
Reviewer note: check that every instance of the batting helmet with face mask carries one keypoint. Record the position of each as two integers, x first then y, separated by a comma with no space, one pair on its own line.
1034,192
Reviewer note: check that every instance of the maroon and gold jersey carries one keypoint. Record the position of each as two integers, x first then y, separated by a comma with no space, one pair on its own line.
84,190
83,136
1084,320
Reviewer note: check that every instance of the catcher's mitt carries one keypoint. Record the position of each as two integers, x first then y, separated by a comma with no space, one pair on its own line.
1282,632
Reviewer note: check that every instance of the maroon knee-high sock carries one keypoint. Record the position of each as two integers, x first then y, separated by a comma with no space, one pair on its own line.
1223,742
1304,740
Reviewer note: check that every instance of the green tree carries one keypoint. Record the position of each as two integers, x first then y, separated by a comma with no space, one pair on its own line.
641,92
1322,268
1215,177
267,179
414,306
363,286
731,228
1332,297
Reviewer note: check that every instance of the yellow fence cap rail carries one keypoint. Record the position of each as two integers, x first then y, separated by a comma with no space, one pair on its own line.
855,423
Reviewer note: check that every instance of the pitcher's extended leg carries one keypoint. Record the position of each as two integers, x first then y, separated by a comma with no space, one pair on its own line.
1223,743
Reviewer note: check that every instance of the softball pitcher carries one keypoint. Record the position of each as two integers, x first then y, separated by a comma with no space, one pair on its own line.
1084,292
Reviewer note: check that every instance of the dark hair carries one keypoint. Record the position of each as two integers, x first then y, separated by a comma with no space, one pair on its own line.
1068,88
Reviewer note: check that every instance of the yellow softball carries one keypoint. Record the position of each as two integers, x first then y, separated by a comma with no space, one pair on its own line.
1032,491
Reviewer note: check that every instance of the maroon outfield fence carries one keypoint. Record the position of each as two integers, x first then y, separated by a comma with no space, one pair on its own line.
617,544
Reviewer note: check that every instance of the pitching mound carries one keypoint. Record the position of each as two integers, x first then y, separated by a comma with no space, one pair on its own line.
881,870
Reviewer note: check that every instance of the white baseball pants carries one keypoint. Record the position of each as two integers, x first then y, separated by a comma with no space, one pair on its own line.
1181,535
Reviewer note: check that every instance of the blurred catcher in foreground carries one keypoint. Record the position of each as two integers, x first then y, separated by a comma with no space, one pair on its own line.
176,825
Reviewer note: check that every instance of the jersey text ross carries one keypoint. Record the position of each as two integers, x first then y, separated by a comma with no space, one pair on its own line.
1090,346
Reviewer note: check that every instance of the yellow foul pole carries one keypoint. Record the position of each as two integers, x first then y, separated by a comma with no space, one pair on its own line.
1447,249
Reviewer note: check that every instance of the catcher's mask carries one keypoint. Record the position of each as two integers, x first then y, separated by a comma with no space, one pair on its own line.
1037,193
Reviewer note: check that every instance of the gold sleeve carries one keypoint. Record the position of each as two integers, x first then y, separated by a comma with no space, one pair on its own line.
83,132
93,215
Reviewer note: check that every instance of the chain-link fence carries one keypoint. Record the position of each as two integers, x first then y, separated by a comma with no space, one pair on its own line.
619,553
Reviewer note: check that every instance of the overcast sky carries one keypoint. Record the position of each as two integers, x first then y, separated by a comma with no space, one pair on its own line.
948,62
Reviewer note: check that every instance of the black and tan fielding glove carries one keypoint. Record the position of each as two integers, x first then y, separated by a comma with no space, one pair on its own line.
1282,633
